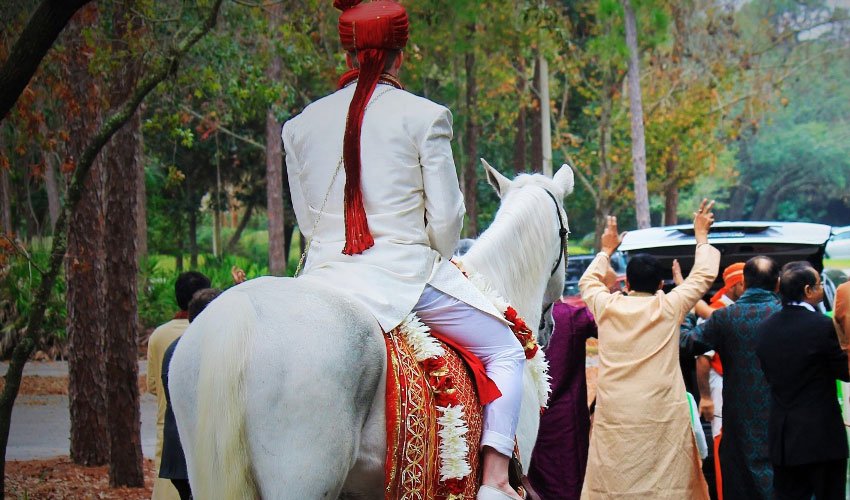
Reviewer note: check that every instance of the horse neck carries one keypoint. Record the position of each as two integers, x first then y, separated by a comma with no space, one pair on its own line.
515,253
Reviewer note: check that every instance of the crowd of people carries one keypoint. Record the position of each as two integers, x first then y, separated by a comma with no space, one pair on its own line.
766,361
776,425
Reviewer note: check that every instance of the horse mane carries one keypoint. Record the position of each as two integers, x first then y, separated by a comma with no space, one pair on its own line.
517,252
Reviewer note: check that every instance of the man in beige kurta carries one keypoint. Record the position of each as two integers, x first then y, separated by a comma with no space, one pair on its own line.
187,284
642,444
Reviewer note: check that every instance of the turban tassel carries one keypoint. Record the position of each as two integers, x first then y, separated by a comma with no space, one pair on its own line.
357,235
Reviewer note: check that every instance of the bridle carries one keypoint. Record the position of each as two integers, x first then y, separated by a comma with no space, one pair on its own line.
562,232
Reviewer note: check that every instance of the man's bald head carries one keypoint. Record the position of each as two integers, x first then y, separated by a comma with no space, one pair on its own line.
761,272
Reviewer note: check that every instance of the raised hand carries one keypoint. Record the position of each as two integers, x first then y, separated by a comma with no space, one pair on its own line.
610,238
237,274
678,279
703,219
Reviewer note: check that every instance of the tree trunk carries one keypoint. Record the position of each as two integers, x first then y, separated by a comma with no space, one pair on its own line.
536,157
193,237
737,201
636,108
520,141
85,304
122,392
243,223
274,187
178,256
141,203
545,119
274,165
86,280
33,228
671,188
767,200
6,226
51,185
123,160
216,208
32,45
605,176
470,180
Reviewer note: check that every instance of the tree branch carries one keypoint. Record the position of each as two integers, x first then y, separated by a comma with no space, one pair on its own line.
224,129
48,20
21,250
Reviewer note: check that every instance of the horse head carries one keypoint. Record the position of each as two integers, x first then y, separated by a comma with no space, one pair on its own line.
522,252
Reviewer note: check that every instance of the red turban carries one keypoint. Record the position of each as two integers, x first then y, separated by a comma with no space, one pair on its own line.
370,29
732,275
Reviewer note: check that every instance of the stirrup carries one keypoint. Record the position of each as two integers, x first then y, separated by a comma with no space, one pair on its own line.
519,481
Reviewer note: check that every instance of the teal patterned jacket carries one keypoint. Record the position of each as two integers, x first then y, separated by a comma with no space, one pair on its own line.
732,333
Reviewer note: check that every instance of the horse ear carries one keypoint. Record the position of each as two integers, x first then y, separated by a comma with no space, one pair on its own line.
499,182
564,179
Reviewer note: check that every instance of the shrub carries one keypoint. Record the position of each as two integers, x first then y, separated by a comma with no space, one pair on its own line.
19,281
157,276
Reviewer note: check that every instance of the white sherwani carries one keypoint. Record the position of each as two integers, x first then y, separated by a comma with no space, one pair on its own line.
413,203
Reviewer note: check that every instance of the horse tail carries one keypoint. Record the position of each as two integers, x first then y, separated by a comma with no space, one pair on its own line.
221,464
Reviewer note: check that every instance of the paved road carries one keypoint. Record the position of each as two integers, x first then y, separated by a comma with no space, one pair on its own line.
41,425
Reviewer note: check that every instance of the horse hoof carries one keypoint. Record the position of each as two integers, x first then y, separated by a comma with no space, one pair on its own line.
491,493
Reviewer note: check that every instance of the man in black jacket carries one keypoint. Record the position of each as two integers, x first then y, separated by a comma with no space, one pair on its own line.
801,359
173,463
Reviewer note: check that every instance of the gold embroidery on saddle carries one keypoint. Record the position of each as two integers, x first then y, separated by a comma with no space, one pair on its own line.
434,419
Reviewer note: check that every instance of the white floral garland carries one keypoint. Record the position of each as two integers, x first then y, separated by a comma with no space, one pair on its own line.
452,427
452,431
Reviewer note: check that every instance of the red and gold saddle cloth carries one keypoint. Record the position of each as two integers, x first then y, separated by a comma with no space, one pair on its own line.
414,432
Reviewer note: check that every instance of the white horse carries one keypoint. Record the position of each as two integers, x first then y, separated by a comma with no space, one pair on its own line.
278,386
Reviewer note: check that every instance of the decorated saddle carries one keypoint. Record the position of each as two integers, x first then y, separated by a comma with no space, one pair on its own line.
434,397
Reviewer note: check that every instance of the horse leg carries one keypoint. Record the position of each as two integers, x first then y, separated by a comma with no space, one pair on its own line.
311,392
366,479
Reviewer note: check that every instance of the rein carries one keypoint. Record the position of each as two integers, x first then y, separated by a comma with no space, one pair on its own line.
562,232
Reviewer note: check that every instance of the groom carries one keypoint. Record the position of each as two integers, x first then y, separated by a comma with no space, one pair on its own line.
376,194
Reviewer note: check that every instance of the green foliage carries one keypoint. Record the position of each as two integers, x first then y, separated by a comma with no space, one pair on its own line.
737,97
842,264
158,275
19,279
796,164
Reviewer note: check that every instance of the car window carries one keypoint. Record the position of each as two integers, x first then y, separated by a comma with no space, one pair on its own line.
576,265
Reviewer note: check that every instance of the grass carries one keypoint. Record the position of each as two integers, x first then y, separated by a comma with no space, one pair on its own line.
836,263
580,250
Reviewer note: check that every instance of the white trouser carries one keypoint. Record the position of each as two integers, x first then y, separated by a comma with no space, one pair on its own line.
495,345
715,383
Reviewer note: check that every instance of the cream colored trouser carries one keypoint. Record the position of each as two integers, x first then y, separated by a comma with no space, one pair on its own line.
495,345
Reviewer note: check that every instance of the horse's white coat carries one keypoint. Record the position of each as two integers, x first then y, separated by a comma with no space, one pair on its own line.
278,387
